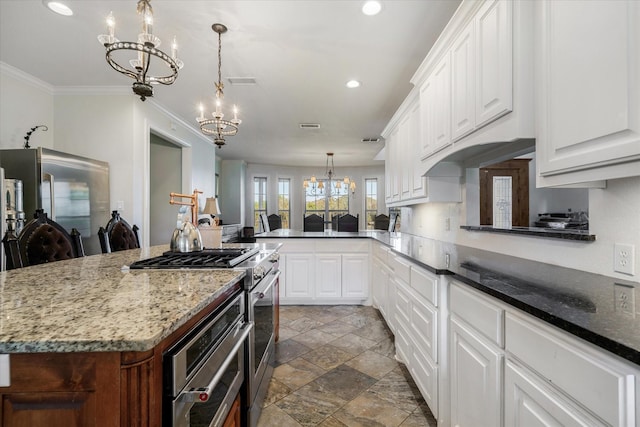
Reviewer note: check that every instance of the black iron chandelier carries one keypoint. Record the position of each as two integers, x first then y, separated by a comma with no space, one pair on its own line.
218,127
146,48
315,187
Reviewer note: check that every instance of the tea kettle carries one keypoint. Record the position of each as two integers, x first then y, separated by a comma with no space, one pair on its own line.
186,237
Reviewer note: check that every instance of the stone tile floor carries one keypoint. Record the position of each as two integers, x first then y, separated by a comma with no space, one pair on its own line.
335,367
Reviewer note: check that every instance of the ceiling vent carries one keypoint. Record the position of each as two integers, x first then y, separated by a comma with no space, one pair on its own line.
370,140
309,125
242,81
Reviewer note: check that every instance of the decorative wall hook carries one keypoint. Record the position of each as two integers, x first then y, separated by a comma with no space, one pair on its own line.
28,135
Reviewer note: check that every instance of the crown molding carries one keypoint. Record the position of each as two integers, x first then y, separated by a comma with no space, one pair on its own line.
18,74
188,126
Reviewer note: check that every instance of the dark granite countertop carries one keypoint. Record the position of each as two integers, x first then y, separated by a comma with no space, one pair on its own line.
580,303
547,233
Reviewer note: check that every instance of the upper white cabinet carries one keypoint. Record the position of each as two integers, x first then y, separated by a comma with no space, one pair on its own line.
494,64
588,90
463,83
435,106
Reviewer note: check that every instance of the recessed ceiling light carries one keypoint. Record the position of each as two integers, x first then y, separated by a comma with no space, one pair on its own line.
351,84
59,8
371,7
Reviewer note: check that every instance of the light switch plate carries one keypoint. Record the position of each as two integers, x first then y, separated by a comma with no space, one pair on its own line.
5,371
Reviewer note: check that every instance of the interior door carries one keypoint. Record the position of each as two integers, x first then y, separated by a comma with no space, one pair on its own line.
165,170
504,194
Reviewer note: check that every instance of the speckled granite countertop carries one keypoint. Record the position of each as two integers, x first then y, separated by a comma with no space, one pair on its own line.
94,304
580,303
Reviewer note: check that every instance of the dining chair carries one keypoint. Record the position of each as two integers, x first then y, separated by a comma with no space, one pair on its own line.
313,222
41,240
348,222
118,235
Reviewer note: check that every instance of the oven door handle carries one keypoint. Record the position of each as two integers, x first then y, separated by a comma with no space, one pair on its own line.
202,394
260,294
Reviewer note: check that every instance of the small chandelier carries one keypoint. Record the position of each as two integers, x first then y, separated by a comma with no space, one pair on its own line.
317,187
146,49
217,126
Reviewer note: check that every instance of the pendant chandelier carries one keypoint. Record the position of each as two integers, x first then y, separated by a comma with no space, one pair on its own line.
218,127
318,186
146,49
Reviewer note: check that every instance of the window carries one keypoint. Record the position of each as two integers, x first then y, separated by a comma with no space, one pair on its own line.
284,198
259,199
327,203
370,201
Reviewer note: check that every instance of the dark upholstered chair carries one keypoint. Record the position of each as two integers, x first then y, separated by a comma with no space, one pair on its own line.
275,222
348,222
381,222
313,222
118,235
41,240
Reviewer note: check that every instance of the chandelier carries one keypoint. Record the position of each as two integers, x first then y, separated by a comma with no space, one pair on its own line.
318,187
146,49
218,127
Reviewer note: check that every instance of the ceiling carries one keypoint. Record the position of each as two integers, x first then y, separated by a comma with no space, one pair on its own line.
301,53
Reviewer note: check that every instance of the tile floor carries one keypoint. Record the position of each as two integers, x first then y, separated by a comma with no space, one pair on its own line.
335,367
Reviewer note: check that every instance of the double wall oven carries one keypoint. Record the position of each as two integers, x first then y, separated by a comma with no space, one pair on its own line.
229,352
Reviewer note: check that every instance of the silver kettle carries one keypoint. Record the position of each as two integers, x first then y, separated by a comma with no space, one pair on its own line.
186,238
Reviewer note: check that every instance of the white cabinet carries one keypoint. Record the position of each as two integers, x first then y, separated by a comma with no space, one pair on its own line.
587,72
435,102
404,158
476,328
494,65
417,181
328,276
463,76
531,401
355,275
299,275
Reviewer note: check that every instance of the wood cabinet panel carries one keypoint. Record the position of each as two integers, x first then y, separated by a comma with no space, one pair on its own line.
233,419
59,409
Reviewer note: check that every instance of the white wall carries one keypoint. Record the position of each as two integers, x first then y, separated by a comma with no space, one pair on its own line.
25,102
298,175
614,217
111,125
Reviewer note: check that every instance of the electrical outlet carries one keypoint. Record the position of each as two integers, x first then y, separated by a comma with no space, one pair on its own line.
624,299
624,258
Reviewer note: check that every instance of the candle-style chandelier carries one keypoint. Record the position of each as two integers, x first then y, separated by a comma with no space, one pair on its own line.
315,187
147,50
218,127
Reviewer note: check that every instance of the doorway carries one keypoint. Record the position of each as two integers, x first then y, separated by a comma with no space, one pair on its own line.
165,176
504,194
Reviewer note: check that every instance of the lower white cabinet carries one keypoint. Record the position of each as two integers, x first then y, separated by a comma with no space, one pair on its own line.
530,401
355,275
328,278
299,276
476,378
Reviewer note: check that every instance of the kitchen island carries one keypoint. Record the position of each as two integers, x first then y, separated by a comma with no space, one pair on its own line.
82,339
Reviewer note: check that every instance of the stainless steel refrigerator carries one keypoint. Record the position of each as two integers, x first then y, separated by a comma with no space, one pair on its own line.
72,190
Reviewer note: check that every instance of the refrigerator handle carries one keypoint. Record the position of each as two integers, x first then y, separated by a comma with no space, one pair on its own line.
49,177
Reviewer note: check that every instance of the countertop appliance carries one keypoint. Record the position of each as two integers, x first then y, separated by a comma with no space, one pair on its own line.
563,220
204,372
72,190
260,287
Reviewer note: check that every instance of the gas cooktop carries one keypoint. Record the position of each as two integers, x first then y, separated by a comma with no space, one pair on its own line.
207,258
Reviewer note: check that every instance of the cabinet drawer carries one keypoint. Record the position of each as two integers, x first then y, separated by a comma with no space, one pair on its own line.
425,374
597,381
403,305
424,328
381,252
425,283
478,312
401,268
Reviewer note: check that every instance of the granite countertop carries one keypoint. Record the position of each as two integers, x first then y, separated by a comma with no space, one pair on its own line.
580,303
96,303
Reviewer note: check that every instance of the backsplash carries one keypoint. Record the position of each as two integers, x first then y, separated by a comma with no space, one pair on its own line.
614,217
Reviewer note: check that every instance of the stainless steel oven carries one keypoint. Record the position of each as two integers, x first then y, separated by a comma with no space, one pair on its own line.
205,371
261,300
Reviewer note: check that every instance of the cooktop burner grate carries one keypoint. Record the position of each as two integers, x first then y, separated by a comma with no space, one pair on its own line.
208,258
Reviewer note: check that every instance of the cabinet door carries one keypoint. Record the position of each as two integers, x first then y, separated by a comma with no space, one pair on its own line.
377,287
73,409
418,182
394,151
355,275
403,158
588,90
435,103
328,275
494,69
476,378
299,275
463,84
530,402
